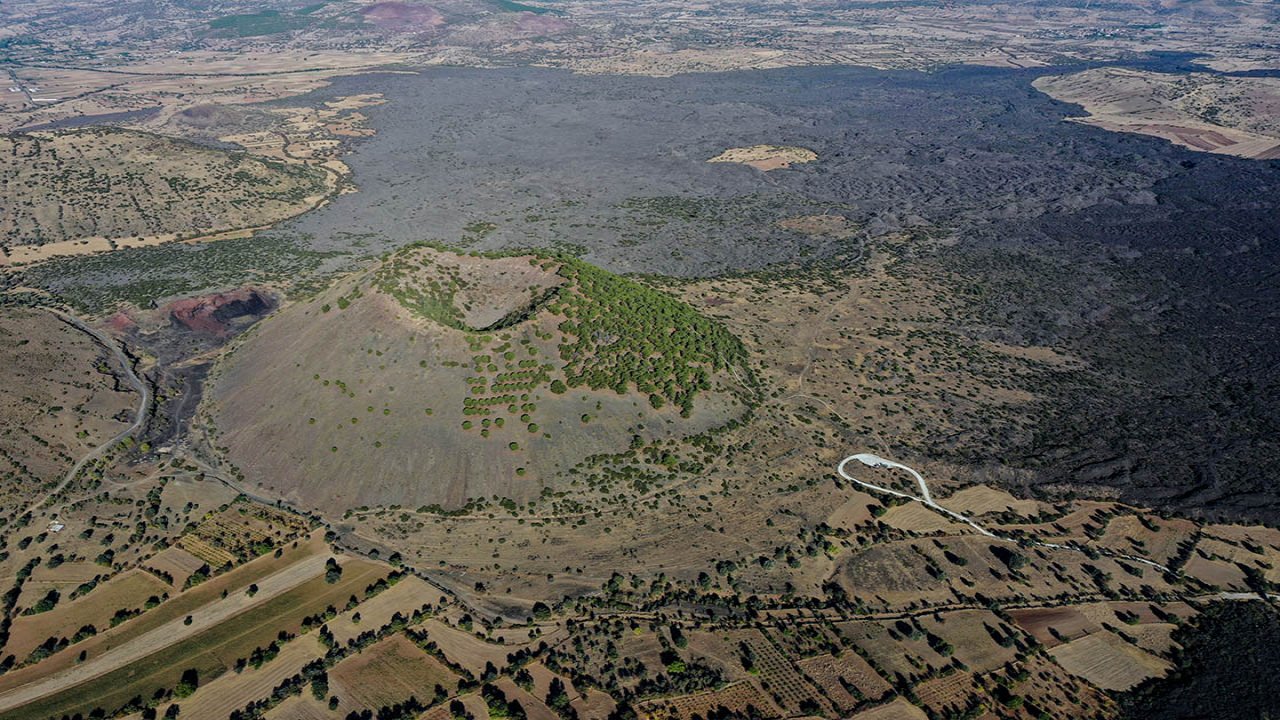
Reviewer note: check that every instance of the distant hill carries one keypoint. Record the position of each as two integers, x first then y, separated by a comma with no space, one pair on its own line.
435,378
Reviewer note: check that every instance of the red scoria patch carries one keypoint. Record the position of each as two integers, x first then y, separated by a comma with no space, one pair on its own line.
403,16
120,323
209,313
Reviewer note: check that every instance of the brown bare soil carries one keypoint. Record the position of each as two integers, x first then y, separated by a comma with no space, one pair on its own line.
1043,623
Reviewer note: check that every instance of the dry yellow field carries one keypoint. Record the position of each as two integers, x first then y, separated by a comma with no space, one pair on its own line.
127,591
914,517
978,500
406,596
388,672
231,691
465,649
1107,661
766,157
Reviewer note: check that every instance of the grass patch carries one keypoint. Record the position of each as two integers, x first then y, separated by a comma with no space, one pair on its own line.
512,6
96,284
266,22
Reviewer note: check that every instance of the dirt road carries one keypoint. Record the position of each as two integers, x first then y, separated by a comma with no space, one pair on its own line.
140,415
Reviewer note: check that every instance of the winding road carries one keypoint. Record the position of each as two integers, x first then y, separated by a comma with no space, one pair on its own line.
140,415
925,498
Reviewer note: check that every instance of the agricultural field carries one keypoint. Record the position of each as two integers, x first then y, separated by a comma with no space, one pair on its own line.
779,677
896,710
221,634
1203,112
891,649
952,692
737,697
1044,686
389,672
229,692
1054,626
462,648
405,596
176,564
1159,539
979,639
118,598
239,532
844,680
1107,661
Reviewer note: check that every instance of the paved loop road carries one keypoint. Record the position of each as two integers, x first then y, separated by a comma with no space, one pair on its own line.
875,461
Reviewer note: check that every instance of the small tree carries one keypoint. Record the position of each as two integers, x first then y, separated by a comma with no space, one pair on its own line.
332,571
187,685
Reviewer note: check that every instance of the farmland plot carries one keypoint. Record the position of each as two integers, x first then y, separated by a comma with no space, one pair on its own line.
127,591
737,697
778,676
408,595
899,709
231,691
1054,626
970,632
175,563
464,648
824,671
849,672
388,672
219,634
1108,661
949,692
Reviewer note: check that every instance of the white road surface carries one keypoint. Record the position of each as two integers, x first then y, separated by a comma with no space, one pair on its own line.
875,461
